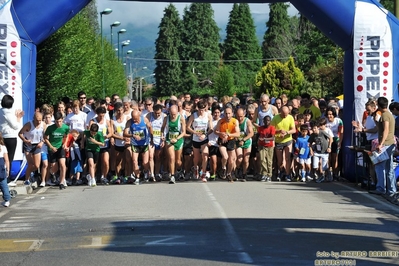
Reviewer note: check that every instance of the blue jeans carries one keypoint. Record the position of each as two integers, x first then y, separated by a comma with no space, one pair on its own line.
5,189
386,181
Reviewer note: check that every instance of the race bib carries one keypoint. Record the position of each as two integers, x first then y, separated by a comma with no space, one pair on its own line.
302,151
156,133
173,135
77,125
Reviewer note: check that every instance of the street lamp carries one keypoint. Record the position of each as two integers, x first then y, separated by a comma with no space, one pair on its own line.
121,31
123,45
106,11
141,85
115,24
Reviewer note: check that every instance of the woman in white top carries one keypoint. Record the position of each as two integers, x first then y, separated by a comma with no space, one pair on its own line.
118,141
32,136
9,124
200,126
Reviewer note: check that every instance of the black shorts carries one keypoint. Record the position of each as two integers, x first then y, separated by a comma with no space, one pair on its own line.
281,146
55,156
230,144
139,149
104,150
198,145
214,150
93,154
120,148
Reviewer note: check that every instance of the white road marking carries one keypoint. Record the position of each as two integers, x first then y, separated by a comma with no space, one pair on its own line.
163,241
36,244
96,242
230,232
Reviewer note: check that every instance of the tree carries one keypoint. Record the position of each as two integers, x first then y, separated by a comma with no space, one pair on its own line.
389,4
276,78
200,45
328,76
223,82
312,46
71,60
278,41
168,66
241,49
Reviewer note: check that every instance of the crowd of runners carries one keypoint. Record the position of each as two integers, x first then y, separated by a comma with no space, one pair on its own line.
185,137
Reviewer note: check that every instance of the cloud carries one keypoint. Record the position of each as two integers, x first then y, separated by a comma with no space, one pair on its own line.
146,13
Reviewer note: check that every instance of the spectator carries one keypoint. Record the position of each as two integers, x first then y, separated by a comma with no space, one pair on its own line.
386,181
4,173
9,124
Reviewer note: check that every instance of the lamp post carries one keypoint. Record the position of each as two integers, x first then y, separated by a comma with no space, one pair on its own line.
106,11
130,79
127,53
123,45
115,24
141,85
121,31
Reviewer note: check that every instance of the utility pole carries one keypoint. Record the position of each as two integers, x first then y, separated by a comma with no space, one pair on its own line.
396,8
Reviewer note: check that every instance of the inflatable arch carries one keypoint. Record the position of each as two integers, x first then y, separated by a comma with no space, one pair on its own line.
366,31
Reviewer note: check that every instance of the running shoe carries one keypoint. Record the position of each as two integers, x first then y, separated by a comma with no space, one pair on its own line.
131,179
42,184
93,182
223,173
195,172
137,181
27,183
146,176
172,180
320,179
6,203
203,178
104,181
263,178
212,178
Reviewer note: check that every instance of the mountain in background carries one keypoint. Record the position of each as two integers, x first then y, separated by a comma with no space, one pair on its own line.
142,43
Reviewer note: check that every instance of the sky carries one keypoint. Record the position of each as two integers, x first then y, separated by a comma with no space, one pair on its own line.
144,13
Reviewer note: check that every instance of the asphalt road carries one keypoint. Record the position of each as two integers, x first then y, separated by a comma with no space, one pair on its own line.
193,223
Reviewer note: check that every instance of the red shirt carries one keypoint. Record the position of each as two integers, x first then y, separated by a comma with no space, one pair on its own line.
68,141
266,132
